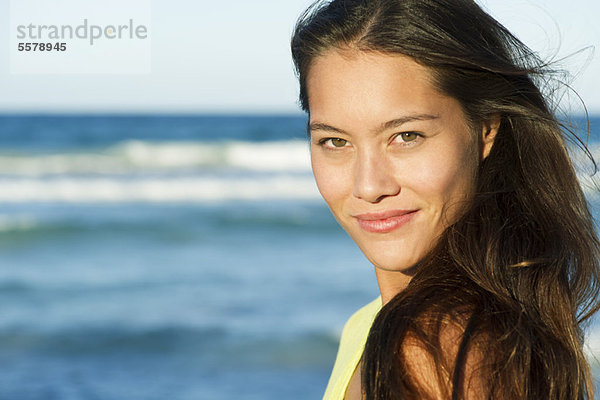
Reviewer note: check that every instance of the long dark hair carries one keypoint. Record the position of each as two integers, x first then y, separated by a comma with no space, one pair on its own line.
518,273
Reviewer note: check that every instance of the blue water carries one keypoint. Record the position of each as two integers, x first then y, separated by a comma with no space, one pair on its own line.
157,257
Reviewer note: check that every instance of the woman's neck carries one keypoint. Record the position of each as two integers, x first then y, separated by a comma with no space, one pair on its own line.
391,283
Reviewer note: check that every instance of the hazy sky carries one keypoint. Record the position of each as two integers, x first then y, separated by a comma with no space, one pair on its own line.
213,56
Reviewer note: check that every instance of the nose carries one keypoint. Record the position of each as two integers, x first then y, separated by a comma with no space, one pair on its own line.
374,177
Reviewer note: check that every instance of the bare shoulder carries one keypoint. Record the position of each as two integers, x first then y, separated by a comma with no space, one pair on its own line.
451,359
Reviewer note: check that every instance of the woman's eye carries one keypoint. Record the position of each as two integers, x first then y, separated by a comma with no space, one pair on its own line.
337,142
333,142
408,136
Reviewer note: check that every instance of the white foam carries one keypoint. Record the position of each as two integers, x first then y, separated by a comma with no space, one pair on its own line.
182,189
138,156
197,189
291,155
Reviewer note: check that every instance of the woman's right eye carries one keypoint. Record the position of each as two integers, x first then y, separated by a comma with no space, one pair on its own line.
333,142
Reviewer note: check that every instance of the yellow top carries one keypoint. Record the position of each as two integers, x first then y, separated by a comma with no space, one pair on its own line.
352,344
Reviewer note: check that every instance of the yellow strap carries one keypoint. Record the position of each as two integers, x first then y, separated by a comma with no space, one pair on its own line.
352,344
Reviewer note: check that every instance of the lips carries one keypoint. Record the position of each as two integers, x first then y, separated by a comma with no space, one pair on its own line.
383,222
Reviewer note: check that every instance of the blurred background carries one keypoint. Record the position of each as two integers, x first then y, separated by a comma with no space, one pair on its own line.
161,236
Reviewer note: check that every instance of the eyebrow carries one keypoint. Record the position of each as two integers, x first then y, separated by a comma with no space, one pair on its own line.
394,123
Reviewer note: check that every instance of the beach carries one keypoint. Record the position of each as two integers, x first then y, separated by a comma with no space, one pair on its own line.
180,257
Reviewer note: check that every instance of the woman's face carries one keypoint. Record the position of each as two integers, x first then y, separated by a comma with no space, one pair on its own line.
394,159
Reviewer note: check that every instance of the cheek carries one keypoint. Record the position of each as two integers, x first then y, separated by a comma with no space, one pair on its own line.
334,182
445,179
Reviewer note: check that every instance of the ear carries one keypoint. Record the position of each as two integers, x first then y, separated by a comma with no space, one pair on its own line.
489,129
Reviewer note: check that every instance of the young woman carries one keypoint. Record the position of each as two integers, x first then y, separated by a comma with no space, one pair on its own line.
436,150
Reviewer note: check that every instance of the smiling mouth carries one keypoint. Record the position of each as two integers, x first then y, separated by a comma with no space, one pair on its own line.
386,221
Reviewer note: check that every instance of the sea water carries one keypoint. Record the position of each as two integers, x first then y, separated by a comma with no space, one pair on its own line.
170,257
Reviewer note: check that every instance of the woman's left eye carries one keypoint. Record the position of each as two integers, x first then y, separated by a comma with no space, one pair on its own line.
408,136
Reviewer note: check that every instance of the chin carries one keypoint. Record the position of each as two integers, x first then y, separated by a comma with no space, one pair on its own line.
393,260
400,251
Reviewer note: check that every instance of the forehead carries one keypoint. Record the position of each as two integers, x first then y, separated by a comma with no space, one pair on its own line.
346,86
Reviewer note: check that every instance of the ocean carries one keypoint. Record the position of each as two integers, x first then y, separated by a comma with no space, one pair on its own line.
171,257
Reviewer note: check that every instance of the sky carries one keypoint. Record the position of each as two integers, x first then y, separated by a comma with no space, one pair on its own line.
233,57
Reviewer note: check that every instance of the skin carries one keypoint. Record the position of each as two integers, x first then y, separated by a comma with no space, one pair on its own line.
384,138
